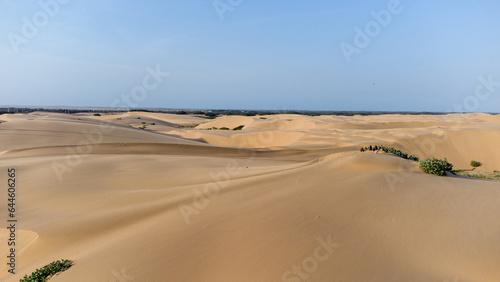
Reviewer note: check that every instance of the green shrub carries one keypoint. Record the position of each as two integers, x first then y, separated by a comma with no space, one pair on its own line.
239,127
223,128
153,123
42,274
97,115
446,165
391,150
143,122
436,166
263,118
475,164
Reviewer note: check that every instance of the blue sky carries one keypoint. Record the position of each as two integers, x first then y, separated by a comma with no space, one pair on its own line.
275,55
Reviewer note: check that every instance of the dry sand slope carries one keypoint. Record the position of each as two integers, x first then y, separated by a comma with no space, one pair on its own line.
288,198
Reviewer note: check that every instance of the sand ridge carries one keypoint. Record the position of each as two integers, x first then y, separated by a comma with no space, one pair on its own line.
288,198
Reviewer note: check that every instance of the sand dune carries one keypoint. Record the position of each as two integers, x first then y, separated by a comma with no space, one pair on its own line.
288,198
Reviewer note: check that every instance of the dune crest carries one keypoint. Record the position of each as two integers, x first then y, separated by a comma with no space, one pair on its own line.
287,198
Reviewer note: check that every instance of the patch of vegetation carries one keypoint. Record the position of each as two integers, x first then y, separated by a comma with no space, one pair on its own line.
475,163
138,117
224,128
263,118
495,175
142,110
153,123
188,126
391,150
97,115
180,113
458,171
211,115
143,122
481,176
119,118
239,127
44,273
436,166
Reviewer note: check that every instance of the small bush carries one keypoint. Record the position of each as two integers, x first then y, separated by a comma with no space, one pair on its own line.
143,122
223,128
97,115
475,164
239,127
153,123
263,118
48,271
138,117
436,166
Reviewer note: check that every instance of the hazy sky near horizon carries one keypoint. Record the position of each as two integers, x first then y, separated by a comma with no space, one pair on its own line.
387,55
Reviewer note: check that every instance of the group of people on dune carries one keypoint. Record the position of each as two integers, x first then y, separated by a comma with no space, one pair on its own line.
374,148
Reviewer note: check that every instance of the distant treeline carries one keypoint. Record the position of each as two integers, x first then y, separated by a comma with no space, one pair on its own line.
12,110
211,113
307,113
